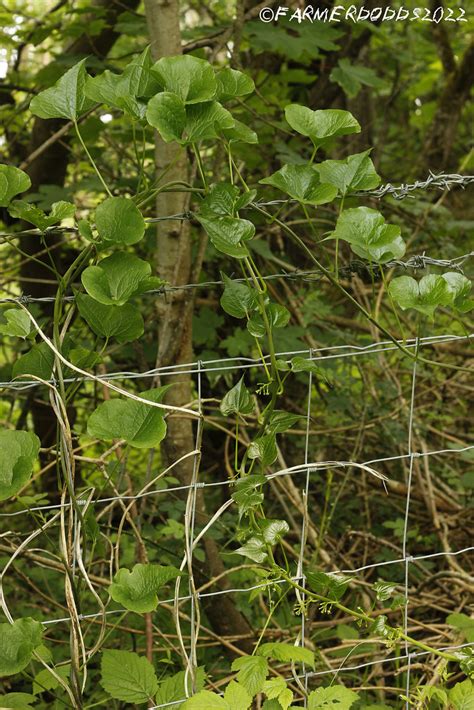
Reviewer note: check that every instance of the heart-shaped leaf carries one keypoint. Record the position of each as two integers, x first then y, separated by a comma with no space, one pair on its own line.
66,99
369,235
190,78
273,530
239,132
302,183
38,362
124,323
205,121
119,221
17,643
330,585
287,653
128,677
137,590
238,299
460,288
227,233
264,448
322,125
142,426
12,182
19,452
356,172
278,316
18,701
30,213
424,296
254,549
117,278
14,322
248,492
237,400
167,113
232,83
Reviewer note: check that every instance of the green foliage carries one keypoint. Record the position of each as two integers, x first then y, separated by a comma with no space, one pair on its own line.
332,697
321,126
369,235
12,181
30,213
137,590
356,172
118,278
14,322
424,296
19,452
18,641
237,400
251,672
119,221
173,688
66,99
302,183
127,676
124,323
286,652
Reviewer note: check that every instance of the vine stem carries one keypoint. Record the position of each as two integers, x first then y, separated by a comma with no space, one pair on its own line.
91,160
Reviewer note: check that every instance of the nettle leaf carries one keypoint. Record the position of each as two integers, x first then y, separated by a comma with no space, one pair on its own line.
302,183
369,235
119,220
30,213
227,233
281,421
137,590
276,689
248,493
205,121
167,113
173,688
238,299
239,132
19,701
287,653
334,697
273,530
321,126
252,672
278,316
264,448
237,400
117,278
142,426
127,676
18,641
14,322
351,77
356,172
231,83
328,584
255,549
424,296
192,79
460,288
20,450
38,362
66,99
124,323
12,182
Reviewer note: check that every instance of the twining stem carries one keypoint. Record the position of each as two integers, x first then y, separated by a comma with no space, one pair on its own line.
91,160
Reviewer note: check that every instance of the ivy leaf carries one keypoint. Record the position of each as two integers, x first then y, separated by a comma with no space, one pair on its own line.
30,213
248,494
424,296
237,400
38,362
460,289
254,549
20,450
276,689
204,121
252,671
127,676
18,701
142,426
205,700
190,78
286,653
369,235
239,132
119,220
302,183
124,323
66,99
356,172
238,299
227,233
117,278
14,322
273,530
264,448
231,83
334,697
173,688
137,590
12,182
321,126
351,77
328,584
18,641
167,113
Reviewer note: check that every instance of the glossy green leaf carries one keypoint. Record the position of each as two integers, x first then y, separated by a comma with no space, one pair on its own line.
232,83
20,450
190,78
124,323
322,125
205,121
281,421
12,182
302,183
237,400
248,492
138,590
30,213
304,364
333,697
254,549
460,288
117,278
239,132
356,172
19,701
14,322
66,99
119,221
351,77
167,113
173,688
142,426
252,672
273,530
369,235
222,199
328,584
238,299
286,653
127,676
278,316
263,448
37,362
424,296
18,641
227,234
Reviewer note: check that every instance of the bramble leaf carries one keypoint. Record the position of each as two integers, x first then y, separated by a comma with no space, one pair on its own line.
351,77
205,700
119,220
12,182
137,590
331,698
286,653
127,676
173,688
252,671
18,641
276,689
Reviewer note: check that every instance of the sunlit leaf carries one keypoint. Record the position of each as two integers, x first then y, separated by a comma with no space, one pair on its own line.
137,590
321,125
369,235
302,183
117,278
127,676
119,221
356,172
190,78
66,99
12,182
18,641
